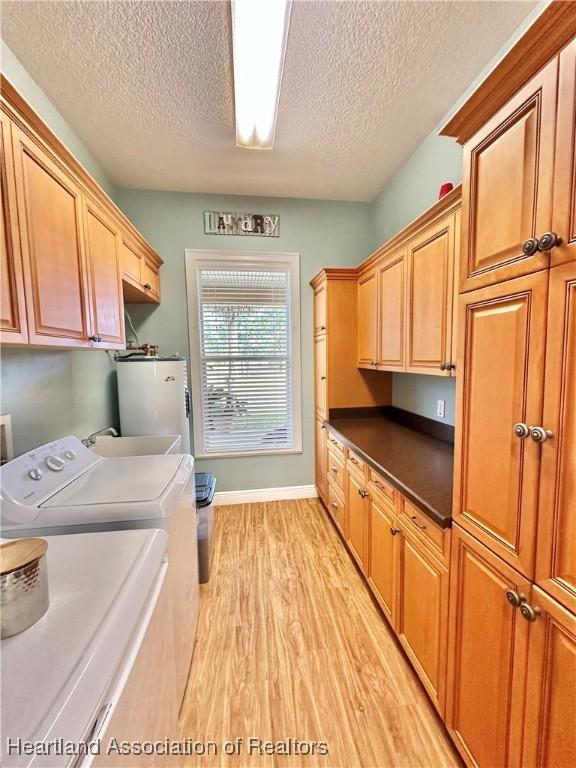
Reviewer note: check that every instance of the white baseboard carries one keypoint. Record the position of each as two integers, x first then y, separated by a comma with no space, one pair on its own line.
265,494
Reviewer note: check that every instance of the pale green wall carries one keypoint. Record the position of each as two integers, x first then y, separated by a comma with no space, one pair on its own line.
52,393
324,233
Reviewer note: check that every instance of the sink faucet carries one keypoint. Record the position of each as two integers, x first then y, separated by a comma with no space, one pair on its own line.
91,439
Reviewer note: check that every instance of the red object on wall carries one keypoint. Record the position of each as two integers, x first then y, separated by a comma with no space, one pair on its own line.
444,189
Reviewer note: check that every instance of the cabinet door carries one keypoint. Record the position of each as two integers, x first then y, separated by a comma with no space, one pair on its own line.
487,651
320,376
383,553
357,517
392,313
550,720
321,471
501,353
367,317
50,216
103,246
556,550
422,617
430,299
320,308
131,264
507,186
564,213
13,327
151,280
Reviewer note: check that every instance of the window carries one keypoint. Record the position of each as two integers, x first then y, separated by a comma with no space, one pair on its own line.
244,314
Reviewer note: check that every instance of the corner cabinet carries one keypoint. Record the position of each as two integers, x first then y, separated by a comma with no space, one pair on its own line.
62,239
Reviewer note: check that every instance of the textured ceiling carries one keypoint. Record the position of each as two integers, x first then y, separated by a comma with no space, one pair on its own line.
148,87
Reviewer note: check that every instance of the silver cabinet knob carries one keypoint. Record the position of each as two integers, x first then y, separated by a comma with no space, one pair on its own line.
540,435
521,430
394,531
335,505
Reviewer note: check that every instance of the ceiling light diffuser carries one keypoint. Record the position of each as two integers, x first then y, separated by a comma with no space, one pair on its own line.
259,34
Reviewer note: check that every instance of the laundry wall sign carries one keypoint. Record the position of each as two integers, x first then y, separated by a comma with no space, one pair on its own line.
246,224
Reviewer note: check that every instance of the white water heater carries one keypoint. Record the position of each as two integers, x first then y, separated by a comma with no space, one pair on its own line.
153,397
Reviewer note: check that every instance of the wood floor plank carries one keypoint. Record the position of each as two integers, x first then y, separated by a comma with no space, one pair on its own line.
291,645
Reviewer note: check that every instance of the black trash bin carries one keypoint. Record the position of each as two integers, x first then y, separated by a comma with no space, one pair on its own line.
205,489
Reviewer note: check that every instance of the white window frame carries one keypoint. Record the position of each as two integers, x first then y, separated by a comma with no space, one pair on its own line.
195,260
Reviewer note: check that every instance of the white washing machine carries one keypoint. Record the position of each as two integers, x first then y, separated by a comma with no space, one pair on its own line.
64,487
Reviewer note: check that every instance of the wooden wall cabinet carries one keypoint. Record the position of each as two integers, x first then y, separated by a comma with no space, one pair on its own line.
140,273
407,296
367,328
430,316
501,351
103,243
391,334
13,324
62,242
53,247
507,187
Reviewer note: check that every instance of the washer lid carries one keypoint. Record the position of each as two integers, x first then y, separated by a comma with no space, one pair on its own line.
126,479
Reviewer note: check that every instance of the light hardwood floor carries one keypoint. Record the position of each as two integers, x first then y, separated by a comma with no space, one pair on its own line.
291,644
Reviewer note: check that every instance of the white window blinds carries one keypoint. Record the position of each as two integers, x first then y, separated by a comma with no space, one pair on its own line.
245,358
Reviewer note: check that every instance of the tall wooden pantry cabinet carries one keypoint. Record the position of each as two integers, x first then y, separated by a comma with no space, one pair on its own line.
512,630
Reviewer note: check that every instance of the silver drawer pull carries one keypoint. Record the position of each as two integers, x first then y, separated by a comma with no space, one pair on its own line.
417,524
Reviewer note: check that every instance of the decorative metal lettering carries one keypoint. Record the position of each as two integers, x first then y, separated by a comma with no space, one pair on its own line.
243,224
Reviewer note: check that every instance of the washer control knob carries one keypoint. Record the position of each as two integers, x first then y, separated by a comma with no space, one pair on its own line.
35,473
55,463
70,454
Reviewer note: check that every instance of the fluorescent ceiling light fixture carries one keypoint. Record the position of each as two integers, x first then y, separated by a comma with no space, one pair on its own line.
259,33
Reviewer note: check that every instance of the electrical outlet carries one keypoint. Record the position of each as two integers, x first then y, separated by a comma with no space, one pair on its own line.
440,408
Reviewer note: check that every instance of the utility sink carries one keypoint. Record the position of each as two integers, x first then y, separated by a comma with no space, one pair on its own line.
140,445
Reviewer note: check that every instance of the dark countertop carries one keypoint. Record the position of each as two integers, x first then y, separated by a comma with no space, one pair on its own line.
419,465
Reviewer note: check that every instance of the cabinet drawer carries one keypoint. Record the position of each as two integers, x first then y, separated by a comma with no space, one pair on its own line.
381,487
336,505
335,444
419,523
336,467
355,461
